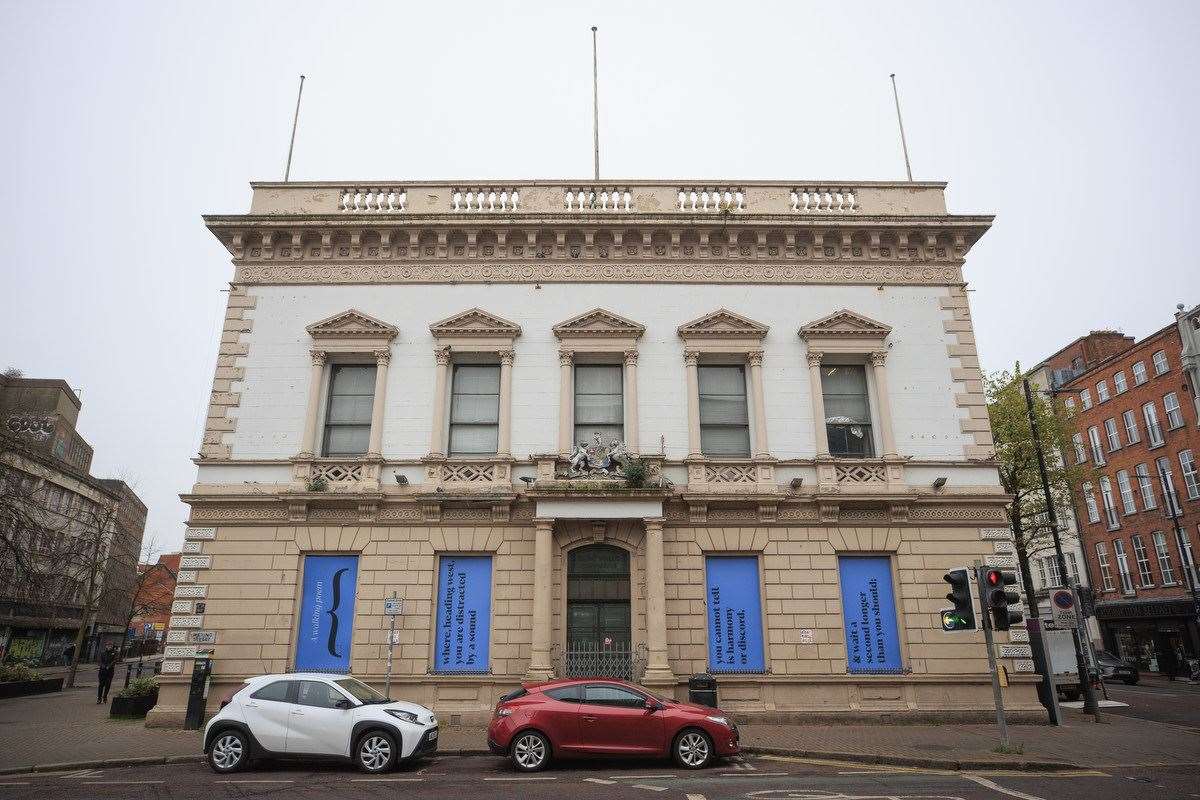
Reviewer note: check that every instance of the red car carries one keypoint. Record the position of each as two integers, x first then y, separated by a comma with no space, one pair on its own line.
600,716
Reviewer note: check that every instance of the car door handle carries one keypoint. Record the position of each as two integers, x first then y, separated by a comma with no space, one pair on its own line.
251,705
297,713
589,719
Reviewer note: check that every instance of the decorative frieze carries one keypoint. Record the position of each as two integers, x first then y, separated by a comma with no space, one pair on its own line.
450,272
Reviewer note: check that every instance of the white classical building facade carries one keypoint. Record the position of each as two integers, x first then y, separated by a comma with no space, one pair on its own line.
408,368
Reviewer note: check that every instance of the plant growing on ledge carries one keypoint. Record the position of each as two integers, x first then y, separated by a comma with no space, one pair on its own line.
635,473
318,484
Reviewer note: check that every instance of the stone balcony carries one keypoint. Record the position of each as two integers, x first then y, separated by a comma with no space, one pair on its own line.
526,198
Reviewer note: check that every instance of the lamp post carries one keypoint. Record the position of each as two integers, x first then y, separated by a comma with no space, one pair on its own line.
1089,696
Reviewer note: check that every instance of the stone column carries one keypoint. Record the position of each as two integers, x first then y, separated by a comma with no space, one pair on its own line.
539,651
631,401
885,405
818,401
755,358
566,398
316,375
504,438
437,436
382,359
691,360
658,670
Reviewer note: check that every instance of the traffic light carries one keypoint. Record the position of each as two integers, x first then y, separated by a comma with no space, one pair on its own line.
998,598
962,616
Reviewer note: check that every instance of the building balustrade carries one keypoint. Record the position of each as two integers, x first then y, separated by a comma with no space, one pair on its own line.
632,197
336,474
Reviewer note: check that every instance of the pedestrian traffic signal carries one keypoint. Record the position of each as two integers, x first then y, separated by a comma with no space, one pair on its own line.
999,599
962,616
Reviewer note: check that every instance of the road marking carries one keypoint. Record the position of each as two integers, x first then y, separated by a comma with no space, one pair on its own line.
757,775
998,788
250,781
695,797
83,773
620,777
15,784
600,781
526,778
651,788
118,783
385,780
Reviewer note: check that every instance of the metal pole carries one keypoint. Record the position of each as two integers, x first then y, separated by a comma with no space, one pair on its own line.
1047,671
985,613
1089,695
387,684
900,119
287,170
595,108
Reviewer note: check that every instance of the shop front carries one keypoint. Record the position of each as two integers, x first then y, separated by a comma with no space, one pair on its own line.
1160,635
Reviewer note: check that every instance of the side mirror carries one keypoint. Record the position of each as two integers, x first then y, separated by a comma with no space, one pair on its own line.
343,704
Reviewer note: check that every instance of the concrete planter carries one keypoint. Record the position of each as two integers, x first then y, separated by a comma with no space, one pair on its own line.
132,706
23,688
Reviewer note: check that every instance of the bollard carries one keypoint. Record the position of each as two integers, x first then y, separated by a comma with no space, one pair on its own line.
128,667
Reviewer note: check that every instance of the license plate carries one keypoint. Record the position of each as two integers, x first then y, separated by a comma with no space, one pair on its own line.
432,735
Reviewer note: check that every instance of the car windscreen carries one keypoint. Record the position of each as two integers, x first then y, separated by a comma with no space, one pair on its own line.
360,691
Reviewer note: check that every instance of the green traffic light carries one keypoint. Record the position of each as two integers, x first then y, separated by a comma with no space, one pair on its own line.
954,621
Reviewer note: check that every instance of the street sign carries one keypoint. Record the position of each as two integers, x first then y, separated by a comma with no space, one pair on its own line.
1062,607
393,606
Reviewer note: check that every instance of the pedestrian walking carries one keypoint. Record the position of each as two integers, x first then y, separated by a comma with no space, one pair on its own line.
108,665
68,654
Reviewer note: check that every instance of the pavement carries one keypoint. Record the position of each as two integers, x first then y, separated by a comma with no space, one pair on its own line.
744,778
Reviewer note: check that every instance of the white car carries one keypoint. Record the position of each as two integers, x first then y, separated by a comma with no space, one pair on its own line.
306,715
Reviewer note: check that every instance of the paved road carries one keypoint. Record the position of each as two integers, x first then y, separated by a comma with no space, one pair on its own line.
762,778
1157,699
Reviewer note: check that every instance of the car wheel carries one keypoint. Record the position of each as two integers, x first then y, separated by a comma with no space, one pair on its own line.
530,751
376,752
693,749
230,752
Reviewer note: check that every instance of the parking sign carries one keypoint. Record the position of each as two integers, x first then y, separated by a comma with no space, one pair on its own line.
1062,606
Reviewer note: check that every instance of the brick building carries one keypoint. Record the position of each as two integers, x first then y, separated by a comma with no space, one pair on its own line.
1137,427
156,591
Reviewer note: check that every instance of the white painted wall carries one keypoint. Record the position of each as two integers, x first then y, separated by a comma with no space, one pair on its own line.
271,415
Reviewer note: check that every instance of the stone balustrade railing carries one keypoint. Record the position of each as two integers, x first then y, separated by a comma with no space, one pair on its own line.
666,198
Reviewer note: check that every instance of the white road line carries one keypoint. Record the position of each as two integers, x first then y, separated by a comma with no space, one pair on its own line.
118,783
695,797
248,781
644,777
651,788
83,773
526,778
600,781
385,780
757,775
998,788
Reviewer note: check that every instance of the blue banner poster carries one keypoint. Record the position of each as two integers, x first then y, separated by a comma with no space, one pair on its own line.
327,613
735,636
464,612
869,614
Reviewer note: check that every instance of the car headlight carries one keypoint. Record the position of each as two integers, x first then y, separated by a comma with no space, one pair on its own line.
503,712
407,716
719,720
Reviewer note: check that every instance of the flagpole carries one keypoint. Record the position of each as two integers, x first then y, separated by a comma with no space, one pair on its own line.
595,108
900,119
287,170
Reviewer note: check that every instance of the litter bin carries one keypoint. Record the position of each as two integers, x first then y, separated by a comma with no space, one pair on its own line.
702,690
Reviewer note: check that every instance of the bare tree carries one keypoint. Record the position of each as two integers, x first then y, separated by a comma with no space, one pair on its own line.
149,595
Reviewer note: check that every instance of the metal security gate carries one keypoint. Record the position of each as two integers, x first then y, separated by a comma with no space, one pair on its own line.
599,636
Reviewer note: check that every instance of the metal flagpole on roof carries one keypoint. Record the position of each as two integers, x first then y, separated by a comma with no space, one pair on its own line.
900,119
287,170
595,108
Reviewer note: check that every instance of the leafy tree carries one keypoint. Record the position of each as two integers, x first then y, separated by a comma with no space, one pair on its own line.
1016,458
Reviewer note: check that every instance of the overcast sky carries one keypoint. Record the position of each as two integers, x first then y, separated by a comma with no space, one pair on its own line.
1074,123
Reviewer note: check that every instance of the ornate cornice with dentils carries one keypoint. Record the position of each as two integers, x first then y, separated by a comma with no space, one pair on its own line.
598,323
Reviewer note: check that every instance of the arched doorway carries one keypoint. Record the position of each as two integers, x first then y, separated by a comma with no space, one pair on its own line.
598,618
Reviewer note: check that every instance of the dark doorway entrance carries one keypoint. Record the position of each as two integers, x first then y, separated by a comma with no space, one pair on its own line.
598,618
